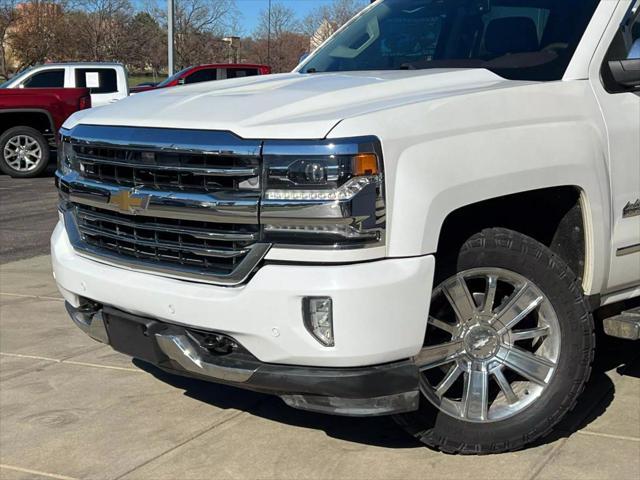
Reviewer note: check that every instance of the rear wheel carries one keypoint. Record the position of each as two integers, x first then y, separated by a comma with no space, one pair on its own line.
25,152
508,347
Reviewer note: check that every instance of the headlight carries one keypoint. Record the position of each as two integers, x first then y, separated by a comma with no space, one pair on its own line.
67,161
325,193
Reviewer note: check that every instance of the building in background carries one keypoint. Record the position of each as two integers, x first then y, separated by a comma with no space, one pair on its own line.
324,31
29,19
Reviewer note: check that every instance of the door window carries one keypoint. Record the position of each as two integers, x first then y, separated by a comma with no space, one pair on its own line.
98,80
46,79
634,51
204,75
241,72
625,46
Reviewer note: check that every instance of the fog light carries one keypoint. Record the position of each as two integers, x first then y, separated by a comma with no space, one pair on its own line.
318,318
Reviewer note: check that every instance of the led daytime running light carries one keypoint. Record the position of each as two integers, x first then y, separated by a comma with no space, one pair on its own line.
345,192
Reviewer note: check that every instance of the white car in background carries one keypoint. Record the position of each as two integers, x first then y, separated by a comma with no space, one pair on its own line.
106,81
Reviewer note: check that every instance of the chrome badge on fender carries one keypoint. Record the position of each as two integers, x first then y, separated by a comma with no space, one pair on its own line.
631,209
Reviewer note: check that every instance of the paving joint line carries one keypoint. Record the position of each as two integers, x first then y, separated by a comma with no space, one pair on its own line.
30,357
95,365
547,458
35,297
609,435
15,375
36,472
92,348
70,362
189,439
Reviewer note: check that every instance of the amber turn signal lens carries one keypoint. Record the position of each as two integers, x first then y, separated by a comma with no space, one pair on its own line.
365,164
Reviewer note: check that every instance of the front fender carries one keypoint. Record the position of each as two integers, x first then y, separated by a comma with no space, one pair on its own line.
449,153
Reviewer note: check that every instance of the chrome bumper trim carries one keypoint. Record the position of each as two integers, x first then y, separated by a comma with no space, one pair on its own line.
220,207
91,323
362,391
179,349
356,407
621,252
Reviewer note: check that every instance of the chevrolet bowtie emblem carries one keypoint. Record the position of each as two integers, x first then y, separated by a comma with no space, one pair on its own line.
129,202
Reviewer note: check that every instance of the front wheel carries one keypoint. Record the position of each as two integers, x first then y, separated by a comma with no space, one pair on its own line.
508,347
25,152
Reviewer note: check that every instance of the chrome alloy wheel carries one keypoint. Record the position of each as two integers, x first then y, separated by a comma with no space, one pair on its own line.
492,345
22,153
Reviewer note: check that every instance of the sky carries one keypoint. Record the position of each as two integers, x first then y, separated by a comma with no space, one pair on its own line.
251,9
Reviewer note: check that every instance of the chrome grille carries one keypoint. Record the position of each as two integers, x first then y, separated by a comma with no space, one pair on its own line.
180,203
169,171
215,247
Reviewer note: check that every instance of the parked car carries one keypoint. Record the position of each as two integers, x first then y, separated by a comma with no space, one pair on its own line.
29,123
106,81
147,84
420,220
206,73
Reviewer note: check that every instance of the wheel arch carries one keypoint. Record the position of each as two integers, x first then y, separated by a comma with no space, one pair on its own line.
558,217
36,118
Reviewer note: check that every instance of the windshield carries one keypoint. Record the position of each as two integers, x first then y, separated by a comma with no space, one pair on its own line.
173,77
17,76
517,39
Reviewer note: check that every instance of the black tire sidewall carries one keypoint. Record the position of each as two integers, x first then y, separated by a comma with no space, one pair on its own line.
508,250
38,137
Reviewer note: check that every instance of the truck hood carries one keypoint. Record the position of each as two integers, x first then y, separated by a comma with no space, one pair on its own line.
294,105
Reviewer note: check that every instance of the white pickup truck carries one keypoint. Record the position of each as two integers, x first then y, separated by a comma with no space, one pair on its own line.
107,82
420,220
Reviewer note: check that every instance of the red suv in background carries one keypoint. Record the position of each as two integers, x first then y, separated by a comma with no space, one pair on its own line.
30,119
206,73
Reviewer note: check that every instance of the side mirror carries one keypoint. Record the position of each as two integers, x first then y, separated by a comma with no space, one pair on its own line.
626,73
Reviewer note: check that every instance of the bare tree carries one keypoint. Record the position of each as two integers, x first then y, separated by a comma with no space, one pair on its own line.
281,45
283,20
9,16
36,35
199,27
325,20
100,29
147,47
35,31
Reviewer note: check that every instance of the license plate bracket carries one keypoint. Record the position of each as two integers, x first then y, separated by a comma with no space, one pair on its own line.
133,335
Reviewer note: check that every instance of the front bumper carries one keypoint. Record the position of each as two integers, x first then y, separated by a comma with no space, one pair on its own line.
379,308
365,391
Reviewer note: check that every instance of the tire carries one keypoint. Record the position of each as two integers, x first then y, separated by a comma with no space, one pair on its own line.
34,158
478,415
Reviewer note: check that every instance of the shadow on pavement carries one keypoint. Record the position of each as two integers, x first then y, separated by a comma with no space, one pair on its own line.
612,354
377,431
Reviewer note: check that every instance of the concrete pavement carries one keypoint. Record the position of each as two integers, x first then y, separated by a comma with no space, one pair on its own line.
73,409
28,213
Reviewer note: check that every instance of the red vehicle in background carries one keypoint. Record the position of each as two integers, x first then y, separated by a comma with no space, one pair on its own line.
30,119
206,73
